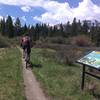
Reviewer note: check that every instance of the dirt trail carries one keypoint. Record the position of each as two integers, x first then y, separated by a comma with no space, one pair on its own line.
33,90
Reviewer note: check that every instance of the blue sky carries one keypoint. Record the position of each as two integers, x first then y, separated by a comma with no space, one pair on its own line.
50,11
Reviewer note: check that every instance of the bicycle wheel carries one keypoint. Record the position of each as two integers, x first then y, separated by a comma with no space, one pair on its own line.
26,64
27,58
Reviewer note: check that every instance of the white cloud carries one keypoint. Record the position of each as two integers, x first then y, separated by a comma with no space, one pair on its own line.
26,4
62,12
58,12
23,18
87,10
22,2
47,18
26,8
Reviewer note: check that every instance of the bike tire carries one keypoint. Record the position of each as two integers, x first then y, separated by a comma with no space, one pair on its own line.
27,58
26,64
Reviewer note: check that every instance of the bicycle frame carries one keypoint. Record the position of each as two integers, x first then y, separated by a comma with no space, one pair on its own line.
27,57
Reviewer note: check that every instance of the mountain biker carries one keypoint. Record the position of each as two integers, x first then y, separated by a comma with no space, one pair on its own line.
26,45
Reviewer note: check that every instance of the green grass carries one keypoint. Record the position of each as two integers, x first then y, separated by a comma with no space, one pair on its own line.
9,42
11,83
60,82
4,42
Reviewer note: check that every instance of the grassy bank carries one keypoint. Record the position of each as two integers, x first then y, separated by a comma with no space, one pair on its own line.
60,82
11,83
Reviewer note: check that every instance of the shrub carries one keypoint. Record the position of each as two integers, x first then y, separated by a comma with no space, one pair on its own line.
68,56
59,40
81,40
48,53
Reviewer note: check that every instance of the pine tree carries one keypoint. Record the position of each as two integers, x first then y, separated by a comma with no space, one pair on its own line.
67,29
79,27
24,29
2,30
55,31
74,28
50,31
17,27
85,27
61,30
32,33
44,30
37,31
9,27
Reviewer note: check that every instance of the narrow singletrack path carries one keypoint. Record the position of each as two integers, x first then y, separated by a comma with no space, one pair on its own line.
33,90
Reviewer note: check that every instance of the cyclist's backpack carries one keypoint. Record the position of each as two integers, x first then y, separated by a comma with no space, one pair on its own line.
26,41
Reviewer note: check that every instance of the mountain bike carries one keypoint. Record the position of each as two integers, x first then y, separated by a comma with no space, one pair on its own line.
27,58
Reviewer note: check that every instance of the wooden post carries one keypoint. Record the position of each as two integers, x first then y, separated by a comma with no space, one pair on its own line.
83,77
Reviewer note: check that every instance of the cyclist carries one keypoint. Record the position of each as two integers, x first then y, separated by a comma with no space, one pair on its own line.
26,45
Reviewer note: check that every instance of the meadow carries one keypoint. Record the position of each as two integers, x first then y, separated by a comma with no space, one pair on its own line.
60,81
11,81
53,67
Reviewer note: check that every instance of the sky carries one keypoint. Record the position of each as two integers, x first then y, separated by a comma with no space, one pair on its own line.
50,11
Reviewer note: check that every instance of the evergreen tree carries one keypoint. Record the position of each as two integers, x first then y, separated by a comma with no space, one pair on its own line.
92,31
50,31
44,30
85,27
67,29
96,34
9,27
24,29
32,33
55,31
37,31
17,27
97,38
61,30
79,27
2,27
74,28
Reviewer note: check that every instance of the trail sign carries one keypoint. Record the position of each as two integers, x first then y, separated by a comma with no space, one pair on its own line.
91,60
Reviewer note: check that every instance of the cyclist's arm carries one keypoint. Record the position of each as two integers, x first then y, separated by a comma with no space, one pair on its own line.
21,41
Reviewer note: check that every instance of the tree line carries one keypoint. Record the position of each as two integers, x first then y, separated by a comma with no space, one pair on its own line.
12,29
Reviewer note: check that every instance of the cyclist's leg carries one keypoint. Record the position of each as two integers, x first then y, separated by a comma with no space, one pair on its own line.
23,47
23,53
29,51
26,57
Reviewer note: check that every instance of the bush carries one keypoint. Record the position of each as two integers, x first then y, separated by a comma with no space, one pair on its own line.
59,40
68,56
48,53
71,56
81,40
